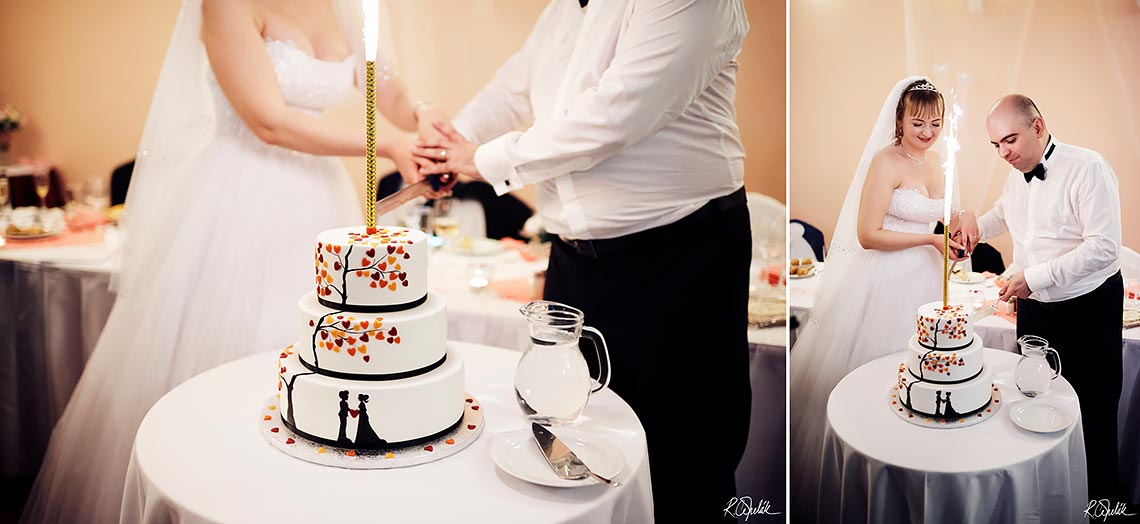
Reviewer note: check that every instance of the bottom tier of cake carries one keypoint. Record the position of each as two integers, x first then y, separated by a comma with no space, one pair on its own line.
363,414
944,400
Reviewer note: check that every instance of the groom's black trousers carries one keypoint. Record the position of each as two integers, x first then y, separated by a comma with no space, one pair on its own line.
672,305
1086,333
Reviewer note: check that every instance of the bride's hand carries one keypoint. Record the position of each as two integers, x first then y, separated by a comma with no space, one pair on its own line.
399,151
938,241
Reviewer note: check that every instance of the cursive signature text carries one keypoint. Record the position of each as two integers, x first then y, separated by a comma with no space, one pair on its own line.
742,507
1103,508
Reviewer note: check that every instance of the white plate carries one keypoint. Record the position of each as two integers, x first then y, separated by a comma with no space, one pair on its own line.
971,277
479,247
811,273
518,455
1040,416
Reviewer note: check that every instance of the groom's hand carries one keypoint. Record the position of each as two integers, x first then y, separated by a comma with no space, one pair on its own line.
450,153
965,228
1015,287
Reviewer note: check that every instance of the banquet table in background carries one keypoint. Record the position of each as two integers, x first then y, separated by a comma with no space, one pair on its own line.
880,468
999,333
184,470
66,288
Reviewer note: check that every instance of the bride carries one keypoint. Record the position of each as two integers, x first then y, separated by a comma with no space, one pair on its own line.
884,262
236,174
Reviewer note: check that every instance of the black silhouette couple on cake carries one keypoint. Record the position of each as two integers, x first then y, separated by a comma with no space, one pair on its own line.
938,406
365,436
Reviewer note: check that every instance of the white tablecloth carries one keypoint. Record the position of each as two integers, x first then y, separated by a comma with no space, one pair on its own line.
999,333
199,457
879,468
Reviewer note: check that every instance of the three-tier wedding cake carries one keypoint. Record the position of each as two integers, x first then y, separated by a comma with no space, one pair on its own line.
944,375
371,369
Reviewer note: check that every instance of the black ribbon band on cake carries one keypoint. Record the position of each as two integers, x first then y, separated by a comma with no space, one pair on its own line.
384,444
929,381
955,348
372,309
370,376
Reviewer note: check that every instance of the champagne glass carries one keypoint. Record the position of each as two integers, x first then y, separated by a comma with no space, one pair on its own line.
43,186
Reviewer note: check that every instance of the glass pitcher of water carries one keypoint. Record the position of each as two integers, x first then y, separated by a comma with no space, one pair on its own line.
1033,374
552,381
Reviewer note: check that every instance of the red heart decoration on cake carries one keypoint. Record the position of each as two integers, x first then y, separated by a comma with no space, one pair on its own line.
367,358
383,265
359,274
351,351
339,342
471,426
354,412
429,449
336,266
375,276
364,337
392,331
391,249
311,323
289,441
345,323
336,249
351,341
397,340
370,252
324,335
403,276
476,408
350,453
470,401
405,283
406,256
274,430
365,262
450,441
390,339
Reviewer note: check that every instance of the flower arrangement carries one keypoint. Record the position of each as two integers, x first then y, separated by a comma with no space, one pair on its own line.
10,119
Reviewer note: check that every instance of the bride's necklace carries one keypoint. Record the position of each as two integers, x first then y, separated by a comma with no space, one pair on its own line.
917,160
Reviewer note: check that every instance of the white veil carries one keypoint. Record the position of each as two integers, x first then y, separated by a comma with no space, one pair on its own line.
179,126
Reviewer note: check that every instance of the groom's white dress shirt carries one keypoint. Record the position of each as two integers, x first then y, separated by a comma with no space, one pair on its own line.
1066,228
621,113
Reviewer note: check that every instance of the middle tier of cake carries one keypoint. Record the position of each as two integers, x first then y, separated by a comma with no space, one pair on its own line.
364,346
947,366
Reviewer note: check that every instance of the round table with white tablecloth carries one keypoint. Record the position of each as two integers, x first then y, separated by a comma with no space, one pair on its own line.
879,468
199,457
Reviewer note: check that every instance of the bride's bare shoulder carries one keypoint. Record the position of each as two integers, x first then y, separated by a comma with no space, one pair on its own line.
884,166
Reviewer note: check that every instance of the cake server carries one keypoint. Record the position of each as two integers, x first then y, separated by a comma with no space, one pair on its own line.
428,184
564,462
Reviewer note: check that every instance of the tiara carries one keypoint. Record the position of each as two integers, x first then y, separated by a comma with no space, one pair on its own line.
925,86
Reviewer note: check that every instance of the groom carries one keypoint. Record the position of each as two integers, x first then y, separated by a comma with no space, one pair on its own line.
621,113
1061,205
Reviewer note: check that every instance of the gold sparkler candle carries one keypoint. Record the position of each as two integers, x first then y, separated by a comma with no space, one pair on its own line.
952,147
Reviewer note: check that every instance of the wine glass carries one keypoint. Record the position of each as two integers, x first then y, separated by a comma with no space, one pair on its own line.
446,220
43,186
3,203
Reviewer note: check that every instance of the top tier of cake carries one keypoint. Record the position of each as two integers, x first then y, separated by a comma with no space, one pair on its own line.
944,328
383,271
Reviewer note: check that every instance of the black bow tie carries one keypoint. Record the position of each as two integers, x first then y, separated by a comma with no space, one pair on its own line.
1039,171
583,2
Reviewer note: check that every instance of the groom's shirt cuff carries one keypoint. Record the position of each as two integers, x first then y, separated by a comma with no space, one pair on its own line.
493,161
1037,277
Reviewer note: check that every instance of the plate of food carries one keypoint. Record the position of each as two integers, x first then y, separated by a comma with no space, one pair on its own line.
14,232
801,268
967,277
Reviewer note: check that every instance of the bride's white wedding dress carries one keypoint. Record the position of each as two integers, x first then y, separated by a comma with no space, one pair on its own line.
221,285
867,315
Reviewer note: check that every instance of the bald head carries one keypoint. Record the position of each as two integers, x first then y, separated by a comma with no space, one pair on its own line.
1018,106
1017,131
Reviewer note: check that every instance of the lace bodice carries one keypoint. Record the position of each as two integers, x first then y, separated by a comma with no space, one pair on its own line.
912,212
305,81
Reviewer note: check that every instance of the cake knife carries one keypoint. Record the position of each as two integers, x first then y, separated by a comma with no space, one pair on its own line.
564,462
421,188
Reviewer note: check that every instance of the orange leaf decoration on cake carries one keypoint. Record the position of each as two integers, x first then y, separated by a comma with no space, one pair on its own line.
362,349
350,453
391,260
392,286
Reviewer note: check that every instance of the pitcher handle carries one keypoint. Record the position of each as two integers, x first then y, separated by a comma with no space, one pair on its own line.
599,341
1057,357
